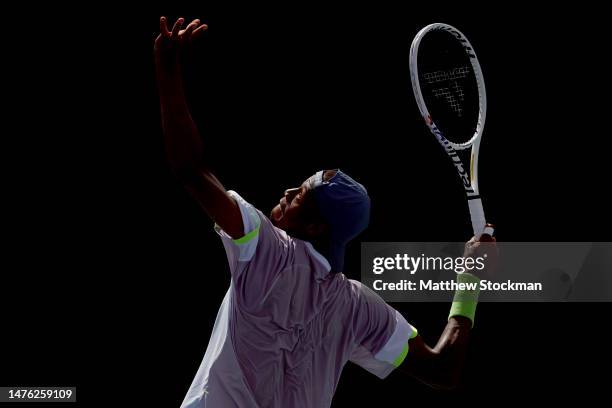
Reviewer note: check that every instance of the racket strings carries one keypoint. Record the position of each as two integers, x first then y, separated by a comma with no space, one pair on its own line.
452,93
446,75
448,85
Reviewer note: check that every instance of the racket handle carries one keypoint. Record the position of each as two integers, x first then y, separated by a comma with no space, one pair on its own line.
479,224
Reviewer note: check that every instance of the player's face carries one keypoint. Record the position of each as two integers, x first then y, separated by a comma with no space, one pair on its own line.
289,214
297,212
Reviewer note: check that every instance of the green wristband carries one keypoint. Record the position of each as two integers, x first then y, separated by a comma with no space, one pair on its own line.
465,301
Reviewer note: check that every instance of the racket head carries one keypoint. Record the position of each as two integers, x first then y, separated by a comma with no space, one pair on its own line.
448,85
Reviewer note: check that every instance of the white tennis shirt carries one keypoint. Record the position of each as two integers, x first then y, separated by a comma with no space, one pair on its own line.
287,326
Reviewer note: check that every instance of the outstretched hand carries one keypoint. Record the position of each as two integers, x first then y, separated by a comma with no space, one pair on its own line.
169,43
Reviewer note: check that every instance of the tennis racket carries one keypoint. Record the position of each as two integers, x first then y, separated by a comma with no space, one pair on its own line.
450,92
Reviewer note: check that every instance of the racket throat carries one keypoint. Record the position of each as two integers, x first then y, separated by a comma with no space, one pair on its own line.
477,215
463,175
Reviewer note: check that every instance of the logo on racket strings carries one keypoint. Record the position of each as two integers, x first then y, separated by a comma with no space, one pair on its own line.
452,93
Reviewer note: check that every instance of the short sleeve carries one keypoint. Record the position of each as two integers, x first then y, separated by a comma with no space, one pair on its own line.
241,249
381,334
259,258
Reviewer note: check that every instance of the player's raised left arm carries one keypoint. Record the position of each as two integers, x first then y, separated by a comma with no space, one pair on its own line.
183,143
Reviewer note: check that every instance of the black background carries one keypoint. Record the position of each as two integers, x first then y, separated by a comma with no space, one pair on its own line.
113,276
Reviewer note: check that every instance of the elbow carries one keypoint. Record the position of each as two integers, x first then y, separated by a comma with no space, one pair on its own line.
444,373
186,174
185,166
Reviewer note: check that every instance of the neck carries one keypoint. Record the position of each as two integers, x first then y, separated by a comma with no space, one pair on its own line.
321,245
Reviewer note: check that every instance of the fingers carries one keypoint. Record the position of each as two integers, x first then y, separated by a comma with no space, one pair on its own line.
193,30
177,28
198,31
163,27
471,242
487,235
189,29
487,238
470,247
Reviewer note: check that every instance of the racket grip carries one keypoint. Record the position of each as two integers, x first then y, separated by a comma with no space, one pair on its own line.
479,224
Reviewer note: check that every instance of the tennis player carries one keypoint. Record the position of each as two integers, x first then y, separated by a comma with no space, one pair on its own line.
290,319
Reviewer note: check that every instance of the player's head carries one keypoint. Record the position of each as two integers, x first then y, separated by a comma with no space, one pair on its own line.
330,208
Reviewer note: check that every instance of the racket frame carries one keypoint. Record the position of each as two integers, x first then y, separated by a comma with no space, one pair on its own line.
470,182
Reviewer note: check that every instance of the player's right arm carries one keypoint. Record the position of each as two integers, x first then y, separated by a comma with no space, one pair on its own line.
441,366
183,144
